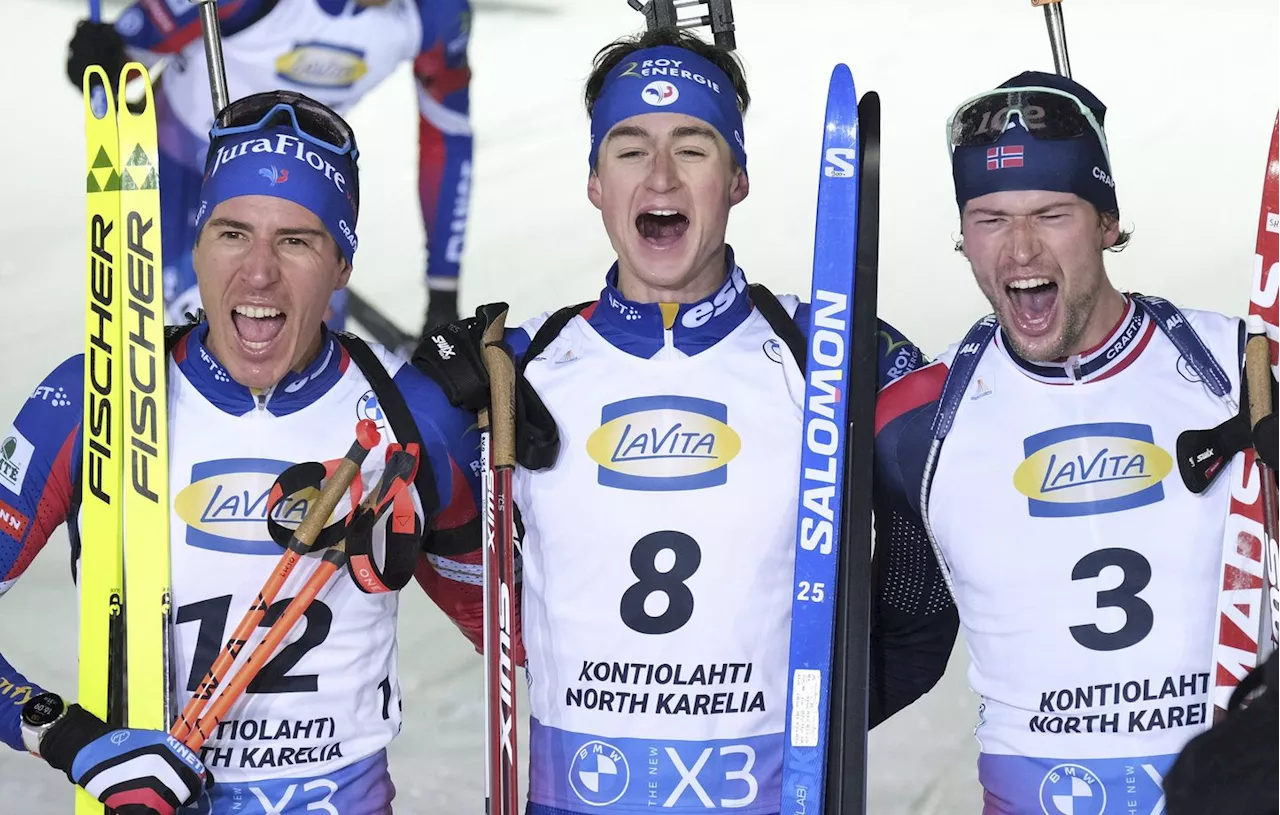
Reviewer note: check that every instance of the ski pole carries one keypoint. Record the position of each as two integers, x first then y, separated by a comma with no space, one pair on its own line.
497,454
98,97
1257,361
1057,35
400,469
299,544
211,32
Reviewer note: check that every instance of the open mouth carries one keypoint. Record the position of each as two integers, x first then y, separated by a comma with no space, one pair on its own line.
661,227
1034,302
257,326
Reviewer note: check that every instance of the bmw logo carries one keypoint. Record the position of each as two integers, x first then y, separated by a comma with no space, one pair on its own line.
599,773
368,408
1072,789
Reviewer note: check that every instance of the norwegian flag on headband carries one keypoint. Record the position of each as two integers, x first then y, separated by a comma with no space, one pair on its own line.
999,158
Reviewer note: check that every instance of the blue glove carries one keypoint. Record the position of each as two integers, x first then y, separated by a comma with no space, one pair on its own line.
133,772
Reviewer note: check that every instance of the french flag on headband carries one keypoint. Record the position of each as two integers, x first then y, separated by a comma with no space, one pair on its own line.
1000,157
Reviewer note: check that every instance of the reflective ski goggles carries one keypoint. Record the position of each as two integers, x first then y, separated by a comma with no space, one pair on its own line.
1046,113
312,121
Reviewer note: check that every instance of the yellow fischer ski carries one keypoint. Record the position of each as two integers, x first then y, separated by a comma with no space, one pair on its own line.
146,426
101,568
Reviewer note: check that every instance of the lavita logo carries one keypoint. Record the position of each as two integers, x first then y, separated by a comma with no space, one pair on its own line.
225,505
1091,469
660,443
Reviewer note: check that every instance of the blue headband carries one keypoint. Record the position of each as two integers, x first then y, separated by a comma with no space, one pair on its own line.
667,79
1019,161
276,162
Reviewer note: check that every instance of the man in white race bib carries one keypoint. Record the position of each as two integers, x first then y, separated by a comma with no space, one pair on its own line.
658,550
258,385
1040,454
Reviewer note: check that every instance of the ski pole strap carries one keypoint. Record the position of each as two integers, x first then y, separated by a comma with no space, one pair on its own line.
298,478
403,531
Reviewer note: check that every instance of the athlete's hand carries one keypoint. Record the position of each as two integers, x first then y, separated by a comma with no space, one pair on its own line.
452,355
95,44
133,772
1266,438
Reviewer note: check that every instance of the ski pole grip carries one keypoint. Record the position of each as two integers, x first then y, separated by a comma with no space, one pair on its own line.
1257,365
1057,35
367,438
502,391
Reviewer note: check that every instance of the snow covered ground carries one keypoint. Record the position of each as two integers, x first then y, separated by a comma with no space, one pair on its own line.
1193,89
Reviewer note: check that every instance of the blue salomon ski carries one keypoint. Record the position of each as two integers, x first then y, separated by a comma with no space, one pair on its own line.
822,458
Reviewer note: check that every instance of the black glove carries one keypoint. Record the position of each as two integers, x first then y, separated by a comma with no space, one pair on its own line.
1231,768
133,772
95,44
452,356
1204,454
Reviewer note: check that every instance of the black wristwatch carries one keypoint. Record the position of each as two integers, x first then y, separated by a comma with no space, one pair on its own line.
38,715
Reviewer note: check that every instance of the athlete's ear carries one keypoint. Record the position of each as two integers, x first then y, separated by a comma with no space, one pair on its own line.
1110,229
344,276
594,192
739,186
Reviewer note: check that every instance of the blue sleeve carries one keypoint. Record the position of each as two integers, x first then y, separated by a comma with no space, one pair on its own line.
518,340
444,135
167,26
452,442
15,690
39,457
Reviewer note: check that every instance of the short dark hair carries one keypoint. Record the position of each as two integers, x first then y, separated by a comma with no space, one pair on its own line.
618,50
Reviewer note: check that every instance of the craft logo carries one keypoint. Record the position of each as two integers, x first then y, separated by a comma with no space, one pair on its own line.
660,93
52,395
225,505
599,773
660,443
322,65
1071,789
15,454
629,313
1091,469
